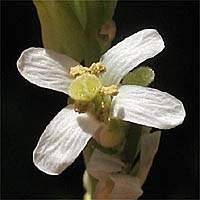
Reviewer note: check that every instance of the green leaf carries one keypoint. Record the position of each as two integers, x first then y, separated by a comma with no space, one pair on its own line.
72,27
79,8
142,76
131,149
61,30
100,14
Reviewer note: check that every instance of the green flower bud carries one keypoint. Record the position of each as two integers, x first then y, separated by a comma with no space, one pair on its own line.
142,76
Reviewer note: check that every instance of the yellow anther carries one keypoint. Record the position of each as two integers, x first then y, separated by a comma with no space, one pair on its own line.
97,68
111,90
78,70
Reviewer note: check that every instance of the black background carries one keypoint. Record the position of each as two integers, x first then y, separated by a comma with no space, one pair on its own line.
27,109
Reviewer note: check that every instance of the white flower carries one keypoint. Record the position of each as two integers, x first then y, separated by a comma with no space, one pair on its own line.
68,133
113,180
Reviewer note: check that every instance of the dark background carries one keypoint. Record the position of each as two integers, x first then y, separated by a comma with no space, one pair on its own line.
27,109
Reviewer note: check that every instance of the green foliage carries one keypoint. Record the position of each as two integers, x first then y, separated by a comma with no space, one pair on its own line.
72,27
131,149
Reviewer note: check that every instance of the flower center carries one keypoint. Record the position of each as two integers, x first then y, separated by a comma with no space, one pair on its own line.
89,93
85,87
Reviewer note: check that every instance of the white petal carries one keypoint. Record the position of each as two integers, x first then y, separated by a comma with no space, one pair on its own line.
100,161
63,140
129,53
147,106
103,188
126,187
100,166
149,147
46,68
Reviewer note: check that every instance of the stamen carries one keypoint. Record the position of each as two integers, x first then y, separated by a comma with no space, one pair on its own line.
78,70
103,112
97,68
110,90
